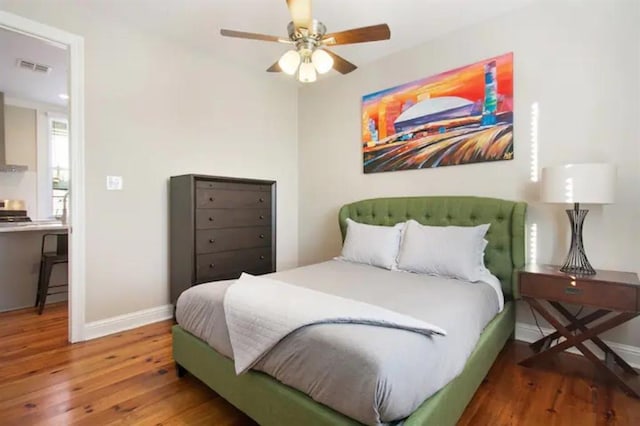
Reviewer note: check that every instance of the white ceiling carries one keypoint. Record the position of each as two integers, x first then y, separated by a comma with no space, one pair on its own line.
198,22
28,85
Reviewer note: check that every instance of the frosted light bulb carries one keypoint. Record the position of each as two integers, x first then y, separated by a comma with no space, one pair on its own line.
322,61
289,62
307,73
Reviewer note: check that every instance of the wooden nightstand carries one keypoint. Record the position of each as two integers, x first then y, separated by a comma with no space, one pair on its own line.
610,292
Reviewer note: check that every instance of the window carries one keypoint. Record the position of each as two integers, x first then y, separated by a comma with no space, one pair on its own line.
59,163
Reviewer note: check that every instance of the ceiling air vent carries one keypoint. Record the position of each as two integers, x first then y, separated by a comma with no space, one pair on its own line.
32,66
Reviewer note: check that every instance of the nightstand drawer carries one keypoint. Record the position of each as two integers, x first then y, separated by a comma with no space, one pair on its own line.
599,294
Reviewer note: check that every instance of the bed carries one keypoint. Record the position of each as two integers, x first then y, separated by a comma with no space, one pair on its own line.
271,402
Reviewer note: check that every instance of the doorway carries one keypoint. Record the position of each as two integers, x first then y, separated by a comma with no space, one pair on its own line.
73,124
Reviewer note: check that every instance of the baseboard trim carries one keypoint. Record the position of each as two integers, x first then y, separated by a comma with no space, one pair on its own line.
530,333
120,323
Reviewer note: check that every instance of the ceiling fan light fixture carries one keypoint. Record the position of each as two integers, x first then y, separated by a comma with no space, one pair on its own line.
289,62
308,38
322,61
307,72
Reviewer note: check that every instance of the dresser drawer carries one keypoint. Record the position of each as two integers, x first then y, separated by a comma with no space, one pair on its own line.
233,186
226,218
604,295
230,264
228,199
216,240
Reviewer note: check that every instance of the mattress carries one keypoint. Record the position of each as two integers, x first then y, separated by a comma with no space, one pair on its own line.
371,374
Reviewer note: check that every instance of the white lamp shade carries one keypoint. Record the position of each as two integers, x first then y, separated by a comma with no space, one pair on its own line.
322,61
307,73
592,183
289,62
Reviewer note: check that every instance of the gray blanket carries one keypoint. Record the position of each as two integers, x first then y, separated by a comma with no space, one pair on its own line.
371,374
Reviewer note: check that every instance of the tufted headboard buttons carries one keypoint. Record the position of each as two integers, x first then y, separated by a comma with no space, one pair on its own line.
505,251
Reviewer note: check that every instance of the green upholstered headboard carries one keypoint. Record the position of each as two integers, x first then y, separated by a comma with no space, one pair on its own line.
505,251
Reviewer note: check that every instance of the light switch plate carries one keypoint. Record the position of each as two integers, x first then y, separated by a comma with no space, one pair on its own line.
114,183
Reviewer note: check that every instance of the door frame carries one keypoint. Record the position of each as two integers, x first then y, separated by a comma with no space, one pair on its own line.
77,250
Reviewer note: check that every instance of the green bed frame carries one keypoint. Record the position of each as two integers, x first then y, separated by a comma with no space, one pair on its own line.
271,403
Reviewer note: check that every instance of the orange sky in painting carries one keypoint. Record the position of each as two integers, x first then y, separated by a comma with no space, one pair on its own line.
465,82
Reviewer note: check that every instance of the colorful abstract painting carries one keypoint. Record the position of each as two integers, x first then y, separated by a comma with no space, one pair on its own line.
457,117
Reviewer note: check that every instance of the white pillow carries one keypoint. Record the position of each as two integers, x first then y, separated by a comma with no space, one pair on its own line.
449,251
371,244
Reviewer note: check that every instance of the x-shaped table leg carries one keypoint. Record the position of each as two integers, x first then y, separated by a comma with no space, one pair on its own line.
587,319
577,341
578,323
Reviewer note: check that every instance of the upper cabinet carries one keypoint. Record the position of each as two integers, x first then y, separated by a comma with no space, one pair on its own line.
21,136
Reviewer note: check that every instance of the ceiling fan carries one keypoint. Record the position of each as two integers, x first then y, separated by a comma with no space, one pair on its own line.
310,38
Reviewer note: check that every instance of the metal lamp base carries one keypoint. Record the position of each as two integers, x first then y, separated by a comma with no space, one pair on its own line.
577,262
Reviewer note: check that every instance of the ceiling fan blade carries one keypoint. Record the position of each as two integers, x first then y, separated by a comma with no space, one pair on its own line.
274,68
252,36
358,35
340,64
300,13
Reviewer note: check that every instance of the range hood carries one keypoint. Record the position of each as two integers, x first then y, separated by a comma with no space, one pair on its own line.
4,167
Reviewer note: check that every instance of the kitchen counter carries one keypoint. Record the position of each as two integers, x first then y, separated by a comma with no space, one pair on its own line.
33,226
20,248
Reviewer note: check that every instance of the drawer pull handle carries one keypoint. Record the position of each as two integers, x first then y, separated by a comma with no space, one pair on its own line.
573,290
212,241
212,199
261,216
212,265
210,219
261,236
262,200
262,257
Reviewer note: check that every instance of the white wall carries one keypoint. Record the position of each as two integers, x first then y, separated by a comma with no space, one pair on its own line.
578,61
155,109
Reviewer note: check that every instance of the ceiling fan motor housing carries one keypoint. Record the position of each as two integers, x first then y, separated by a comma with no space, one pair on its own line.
307,39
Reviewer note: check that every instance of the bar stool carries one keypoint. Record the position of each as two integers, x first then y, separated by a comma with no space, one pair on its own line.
47,261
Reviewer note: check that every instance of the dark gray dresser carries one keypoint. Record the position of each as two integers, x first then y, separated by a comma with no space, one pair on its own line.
219,228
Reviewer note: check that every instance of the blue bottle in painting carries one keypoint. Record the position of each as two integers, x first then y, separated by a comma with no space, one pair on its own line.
490,104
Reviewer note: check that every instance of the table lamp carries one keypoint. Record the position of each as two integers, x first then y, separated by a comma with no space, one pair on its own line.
591,183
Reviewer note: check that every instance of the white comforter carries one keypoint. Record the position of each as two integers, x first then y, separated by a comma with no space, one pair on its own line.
260,312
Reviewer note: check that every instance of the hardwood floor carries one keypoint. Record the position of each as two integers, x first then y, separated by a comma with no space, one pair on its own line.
129,378
568,390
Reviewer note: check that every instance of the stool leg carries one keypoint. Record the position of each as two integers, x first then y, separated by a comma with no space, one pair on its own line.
39,291
45,286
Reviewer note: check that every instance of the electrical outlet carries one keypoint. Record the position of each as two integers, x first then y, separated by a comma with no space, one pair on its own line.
114,183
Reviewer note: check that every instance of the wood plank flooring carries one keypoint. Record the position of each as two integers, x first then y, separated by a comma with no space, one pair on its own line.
129,379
